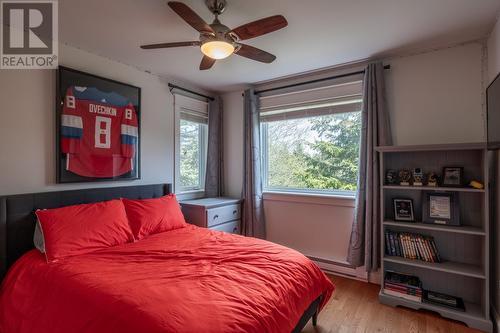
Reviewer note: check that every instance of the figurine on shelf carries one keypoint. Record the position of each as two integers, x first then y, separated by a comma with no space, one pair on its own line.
404,177
391,177
432,179
418,177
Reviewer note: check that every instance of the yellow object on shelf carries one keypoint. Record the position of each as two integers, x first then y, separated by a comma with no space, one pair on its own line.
476,184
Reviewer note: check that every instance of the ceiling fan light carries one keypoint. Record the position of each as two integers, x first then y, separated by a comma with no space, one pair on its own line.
217,49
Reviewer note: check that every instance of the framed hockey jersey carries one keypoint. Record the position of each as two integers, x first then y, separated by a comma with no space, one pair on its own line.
98,132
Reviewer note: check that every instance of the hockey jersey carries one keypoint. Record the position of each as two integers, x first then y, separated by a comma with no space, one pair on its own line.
99,133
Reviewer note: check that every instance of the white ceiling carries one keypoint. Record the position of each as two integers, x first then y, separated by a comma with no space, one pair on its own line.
321,33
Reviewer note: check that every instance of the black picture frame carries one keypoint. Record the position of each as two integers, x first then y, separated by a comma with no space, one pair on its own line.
453,177
68,77
403,210
441,208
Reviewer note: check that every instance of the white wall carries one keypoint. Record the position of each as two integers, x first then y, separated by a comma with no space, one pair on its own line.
433,97
318,227
494,52
27,125
493,71
233,143
436,97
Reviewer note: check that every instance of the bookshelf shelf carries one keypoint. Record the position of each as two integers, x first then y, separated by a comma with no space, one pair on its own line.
445,266
466,272
436,227
433,188
473,311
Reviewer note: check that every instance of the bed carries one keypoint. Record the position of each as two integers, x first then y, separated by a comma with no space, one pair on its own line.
185,280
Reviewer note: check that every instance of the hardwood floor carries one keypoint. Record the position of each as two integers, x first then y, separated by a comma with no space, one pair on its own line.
354,307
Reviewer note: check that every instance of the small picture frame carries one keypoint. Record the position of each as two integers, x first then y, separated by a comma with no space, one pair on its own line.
403,210
441,208
418,177
453,176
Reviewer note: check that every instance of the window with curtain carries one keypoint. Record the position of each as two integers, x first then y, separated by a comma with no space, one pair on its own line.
310,139
191,118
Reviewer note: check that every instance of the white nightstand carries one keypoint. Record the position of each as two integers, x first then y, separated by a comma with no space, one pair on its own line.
223,214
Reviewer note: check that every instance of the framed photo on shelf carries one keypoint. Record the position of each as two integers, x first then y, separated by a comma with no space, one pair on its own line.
403,210
97,128
441,208
453,176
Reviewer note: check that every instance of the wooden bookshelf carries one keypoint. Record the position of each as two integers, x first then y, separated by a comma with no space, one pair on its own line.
464,271
436,227
433,188
473,312
444,266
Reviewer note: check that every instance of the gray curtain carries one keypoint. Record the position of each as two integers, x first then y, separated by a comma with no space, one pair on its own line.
364,245
253,223
214,179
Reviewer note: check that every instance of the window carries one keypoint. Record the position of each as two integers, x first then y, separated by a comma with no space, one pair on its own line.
310,140
191,119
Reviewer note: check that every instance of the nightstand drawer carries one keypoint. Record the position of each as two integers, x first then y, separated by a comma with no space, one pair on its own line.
220,215
232,227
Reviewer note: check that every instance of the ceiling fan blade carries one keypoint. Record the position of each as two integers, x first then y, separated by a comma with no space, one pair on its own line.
167,45
254,53
188,15
206,63
260,27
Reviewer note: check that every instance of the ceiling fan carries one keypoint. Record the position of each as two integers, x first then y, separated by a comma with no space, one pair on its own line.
217,41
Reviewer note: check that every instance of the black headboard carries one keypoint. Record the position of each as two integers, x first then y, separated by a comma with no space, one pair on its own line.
17,213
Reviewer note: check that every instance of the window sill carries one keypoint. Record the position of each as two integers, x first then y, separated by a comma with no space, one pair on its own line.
192,194
310,198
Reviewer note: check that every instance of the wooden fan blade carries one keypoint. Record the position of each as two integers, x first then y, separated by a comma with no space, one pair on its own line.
167,45
206,63
260,27
188,15
254,53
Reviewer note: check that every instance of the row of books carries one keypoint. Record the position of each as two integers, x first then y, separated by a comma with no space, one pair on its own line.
402,285
409,287
411,246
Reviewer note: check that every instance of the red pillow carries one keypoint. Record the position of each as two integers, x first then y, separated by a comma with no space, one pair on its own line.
79,229
151,216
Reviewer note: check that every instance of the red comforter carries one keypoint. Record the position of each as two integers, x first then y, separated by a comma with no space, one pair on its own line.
186,280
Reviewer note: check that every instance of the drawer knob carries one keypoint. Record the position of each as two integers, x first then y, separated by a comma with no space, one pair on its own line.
234,212
216,216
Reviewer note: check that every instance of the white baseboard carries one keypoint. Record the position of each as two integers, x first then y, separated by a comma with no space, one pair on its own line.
375,277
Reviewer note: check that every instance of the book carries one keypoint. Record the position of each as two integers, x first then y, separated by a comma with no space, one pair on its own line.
428,256
399,252
403,247
440,299
429,249
434,247
422,249
387,244
393,246
404,290
402,279
414,239
401,295
411,246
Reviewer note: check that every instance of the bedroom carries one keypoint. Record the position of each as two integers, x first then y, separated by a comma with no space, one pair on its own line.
285,141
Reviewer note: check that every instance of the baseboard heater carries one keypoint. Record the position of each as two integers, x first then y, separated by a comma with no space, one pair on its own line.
337,267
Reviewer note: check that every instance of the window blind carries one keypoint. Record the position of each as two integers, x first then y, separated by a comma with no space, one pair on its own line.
339,98
194,115
191,109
